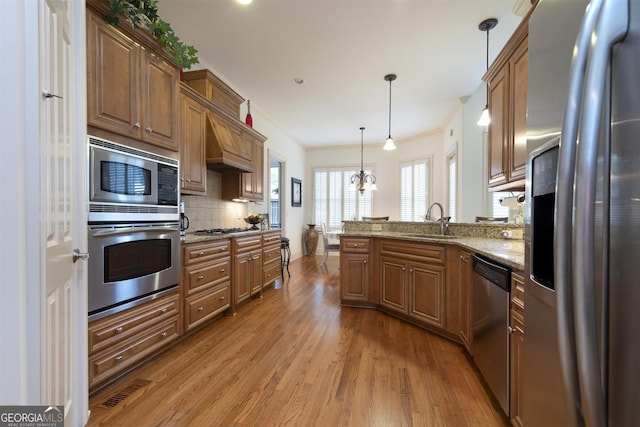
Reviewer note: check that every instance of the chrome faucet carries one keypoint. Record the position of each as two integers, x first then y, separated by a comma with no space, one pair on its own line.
444,221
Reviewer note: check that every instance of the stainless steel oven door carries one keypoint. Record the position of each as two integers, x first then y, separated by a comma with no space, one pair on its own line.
130,262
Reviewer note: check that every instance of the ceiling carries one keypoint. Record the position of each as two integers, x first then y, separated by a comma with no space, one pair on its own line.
343,49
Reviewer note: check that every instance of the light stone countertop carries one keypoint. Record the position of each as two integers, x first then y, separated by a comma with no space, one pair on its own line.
506,251
204,237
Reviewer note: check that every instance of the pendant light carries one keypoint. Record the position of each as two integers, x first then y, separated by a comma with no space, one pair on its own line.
362,181
389,145
486,25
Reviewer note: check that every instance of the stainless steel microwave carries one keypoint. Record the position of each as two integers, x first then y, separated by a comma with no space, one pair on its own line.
127,184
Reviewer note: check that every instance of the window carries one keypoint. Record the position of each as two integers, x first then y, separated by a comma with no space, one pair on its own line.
453,183
497,210
334,202
414,189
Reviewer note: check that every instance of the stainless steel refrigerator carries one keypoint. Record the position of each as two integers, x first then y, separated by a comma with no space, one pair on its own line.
582,303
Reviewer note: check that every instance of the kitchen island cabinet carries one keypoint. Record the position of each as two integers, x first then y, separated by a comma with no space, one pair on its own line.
355,271
132,89
271,258
412,281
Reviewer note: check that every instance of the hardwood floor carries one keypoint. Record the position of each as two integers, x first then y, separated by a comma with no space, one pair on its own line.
296,358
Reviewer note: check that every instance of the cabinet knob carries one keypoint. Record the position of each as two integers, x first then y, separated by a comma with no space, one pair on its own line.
511,330
223,249
364,262
200,308
118,358
200,277
403,269
149,130
411,270
164,334
222,298
164,310
136,125
222,270
200,253
119,329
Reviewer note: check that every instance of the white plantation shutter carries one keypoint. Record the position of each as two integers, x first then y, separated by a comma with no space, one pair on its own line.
453,190
334,201
414,190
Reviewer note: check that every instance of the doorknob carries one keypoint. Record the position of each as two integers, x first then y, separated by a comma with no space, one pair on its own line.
80,255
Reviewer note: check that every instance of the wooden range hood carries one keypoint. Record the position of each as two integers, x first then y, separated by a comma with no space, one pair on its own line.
228,150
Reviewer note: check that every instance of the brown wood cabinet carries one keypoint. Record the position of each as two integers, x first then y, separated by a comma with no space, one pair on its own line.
247,186
193,166
507,80
355,271
465,277
516,348
271,258
119,341
206,281
131,90
215,90
413,280
247,267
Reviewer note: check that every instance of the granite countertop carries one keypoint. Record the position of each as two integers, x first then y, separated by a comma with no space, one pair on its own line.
205,237
506,251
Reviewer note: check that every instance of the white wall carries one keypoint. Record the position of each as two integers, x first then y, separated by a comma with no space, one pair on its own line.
293,155
461,133
386,168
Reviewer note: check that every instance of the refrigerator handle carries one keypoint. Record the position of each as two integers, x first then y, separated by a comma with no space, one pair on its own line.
564,212
611,27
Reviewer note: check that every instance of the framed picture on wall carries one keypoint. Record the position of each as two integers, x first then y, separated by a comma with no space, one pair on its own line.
296,192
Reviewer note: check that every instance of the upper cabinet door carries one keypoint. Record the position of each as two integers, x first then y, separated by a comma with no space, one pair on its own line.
113,61
519,75
498,128
160,91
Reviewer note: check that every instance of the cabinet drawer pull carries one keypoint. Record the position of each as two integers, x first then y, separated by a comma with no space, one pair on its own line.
136,125
222,270
149,130
164,310
200,253
200,277
118,358
200,308
164,334
222,298
223,249
119,329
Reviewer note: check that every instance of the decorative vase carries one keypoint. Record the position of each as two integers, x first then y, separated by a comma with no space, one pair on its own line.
310,238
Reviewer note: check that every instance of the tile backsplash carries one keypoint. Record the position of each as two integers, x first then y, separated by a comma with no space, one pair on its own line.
211,211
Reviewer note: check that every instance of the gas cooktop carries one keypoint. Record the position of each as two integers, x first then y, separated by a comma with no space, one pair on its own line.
221,230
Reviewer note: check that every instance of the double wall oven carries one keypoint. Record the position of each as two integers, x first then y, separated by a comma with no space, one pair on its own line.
133,230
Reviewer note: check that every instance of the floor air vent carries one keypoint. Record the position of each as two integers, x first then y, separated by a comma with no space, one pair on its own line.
119,396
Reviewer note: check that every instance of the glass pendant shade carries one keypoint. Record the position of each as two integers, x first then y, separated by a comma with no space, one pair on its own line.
484,117
389,145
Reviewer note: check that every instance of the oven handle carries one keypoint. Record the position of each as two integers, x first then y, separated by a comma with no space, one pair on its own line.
107,233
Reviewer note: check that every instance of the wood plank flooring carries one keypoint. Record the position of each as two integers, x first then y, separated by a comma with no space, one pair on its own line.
297,358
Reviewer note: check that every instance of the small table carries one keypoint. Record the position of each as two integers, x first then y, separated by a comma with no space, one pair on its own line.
286,255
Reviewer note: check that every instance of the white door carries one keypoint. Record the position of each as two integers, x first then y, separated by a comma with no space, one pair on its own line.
63,331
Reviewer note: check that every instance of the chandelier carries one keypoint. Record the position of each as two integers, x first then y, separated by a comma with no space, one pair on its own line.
362,181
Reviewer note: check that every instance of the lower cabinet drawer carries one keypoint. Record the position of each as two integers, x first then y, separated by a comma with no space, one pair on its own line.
271,273
108,363
204,306
209,276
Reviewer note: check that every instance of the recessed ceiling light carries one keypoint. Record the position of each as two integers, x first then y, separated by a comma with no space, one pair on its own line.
298,81
244,2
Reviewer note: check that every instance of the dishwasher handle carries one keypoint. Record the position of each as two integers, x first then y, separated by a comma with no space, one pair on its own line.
498,274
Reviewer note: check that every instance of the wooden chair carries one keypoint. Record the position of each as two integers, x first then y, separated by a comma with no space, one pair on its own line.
375,218
328,247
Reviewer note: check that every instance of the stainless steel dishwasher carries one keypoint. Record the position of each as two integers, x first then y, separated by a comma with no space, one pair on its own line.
491,285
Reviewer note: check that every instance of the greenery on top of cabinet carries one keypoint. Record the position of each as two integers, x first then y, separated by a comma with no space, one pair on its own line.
144,14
